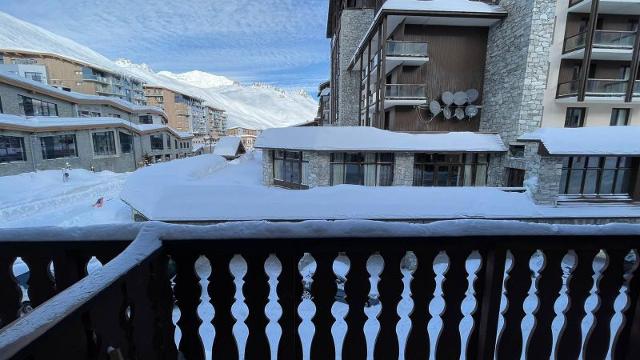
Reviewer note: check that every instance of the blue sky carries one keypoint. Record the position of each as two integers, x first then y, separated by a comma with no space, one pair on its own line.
281,42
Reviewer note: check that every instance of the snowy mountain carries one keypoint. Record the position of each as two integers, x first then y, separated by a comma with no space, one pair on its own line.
253,106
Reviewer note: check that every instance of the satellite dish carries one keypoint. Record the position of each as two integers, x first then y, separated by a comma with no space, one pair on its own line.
447,113
447,98
471,111
473,95
435,107
460,98
459,113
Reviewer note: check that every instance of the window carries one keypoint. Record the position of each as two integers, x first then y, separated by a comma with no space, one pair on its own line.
59,146
596,176
126,142
156,142
35,107
369,169
1,105
516,151
168,142
175,144
89,114
104,143
575,117
289,168
450,169
146,119
35,76
620,117
515,177
12,149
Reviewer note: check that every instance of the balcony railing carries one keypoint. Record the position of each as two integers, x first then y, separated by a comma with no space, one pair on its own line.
612,39
406,91
407,49
307,290
574,2
636,88
595,87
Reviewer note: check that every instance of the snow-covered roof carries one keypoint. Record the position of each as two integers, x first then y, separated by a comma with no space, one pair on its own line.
45,123
187,196
229,147
458,6
361,138
608,140
75,97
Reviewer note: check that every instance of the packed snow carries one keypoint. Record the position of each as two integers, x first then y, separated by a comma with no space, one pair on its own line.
598,140
228,146
462,6
207,188
363,138
250,106
43,199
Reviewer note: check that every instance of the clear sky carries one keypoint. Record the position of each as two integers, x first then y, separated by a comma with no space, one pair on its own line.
281,42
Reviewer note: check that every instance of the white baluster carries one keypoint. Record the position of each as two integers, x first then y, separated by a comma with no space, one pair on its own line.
22,273
469,304
273,310
563,302
592,303
375,266
437,304
408,266
205,309
621,304
340,307
239,309
531,303
307,309
504,300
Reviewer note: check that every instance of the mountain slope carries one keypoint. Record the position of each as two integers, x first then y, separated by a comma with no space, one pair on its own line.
253,106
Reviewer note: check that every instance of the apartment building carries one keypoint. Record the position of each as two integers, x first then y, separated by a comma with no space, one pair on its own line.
248,136
324,108
73,75
45,128
186,113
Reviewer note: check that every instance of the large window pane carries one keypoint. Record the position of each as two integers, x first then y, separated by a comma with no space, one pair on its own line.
12,149
126,143
156,142
104,143
452,169
353,174
60,146
575,117
594,176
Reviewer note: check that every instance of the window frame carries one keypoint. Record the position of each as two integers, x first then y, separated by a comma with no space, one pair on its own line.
581,121
614,119
22,148
131,143
450,161
571,173
288,161
75,146
347,161
33,106
151,141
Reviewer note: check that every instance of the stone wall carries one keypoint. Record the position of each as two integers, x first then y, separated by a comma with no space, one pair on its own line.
319,168
542,177
518,52
354,24
403,169
267,167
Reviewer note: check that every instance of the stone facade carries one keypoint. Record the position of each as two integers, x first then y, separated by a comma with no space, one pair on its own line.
319,168
516,75
267,167
354,24
403,169
542,177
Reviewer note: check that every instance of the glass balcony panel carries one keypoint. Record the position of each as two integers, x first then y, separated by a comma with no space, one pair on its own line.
614,39
568,88
606,87
406,91
407,48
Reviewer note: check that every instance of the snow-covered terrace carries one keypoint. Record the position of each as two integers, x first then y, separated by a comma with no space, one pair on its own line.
207,189
598,141
52,123
361,138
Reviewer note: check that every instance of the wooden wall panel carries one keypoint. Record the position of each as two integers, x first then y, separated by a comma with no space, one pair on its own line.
405,118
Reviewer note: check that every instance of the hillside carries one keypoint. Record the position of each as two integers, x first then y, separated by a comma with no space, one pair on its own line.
253,106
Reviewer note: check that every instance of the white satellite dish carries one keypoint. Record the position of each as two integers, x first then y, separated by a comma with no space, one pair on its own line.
435,107
447,98
447,113
459,113
473,95
460,98
471,111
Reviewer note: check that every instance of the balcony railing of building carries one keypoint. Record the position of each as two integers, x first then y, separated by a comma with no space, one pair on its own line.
96,78
574,2
636,88
407,49
612,39
406,91
595,87
309,290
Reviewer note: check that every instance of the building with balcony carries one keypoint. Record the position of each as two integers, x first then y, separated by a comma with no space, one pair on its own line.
186,113
248,136
74,75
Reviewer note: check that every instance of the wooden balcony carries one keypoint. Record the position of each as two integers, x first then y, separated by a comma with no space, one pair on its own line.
313,290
